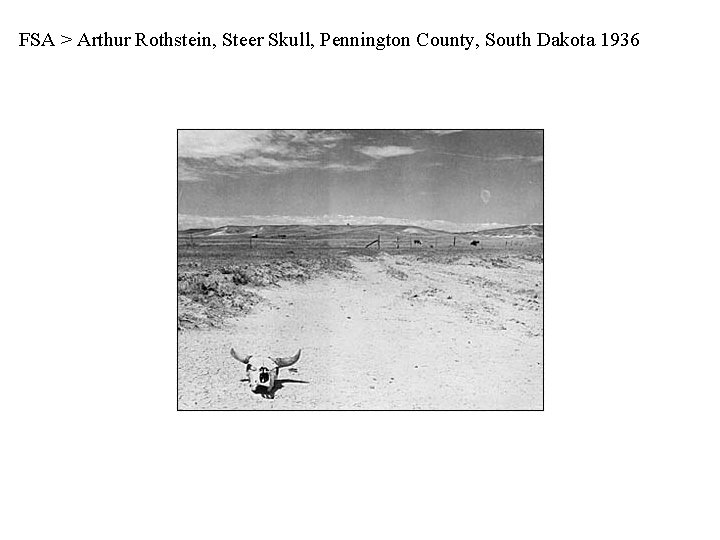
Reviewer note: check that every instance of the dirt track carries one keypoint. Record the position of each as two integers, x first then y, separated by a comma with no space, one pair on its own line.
402,334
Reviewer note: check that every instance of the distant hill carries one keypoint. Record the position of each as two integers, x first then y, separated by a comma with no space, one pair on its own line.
356,231
315,231
514,232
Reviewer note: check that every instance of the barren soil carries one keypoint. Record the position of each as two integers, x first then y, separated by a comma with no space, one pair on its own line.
400,334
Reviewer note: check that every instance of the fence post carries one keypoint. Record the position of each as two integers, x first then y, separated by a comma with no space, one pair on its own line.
453,241
378,242
397,242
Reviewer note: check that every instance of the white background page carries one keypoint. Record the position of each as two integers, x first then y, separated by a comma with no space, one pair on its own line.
93,446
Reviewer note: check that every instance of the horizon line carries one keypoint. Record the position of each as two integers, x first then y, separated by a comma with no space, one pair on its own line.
499,227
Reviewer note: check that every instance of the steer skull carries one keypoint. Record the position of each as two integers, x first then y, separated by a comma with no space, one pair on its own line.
262,371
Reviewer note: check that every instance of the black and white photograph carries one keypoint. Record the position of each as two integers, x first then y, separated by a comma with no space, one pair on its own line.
345,269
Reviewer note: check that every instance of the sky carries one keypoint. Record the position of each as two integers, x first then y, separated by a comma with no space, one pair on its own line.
451,179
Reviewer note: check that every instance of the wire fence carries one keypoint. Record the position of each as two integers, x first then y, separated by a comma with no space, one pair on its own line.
382,242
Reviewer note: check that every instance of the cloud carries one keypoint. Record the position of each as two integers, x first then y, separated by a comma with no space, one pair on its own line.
187,174
442,131
379,152
246,142
206,154
214,143
268,163
531,159
347,166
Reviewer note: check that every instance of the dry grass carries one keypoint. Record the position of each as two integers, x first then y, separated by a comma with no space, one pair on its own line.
212,291
219,281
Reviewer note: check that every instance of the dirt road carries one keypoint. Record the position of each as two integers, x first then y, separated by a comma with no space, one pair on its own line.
401,334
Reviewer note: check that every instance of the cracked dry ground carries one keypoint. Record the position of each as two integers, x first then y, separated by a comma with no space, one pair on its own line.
399,334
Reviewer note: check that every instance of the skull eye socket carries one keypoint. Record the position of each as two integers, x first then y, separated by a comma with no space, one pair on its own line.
249,367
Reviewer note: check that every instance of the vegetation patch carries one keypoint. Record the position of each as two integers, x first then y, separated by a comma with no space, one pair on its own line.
209,294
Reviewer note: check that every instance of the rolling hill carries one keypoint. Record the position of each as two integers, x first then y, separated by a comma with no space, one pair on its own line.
356,231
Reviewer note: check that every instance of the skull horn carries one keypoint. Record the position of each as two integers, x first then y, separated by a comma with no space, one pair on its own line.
243,359
288,360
